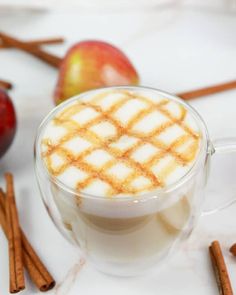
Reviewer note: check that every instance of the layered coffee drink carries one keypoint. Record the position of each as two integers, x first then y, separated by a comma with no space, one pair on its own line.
115,156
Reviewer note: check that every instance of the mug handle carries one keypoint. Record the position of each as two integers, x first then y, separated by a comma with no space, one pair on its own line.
222,146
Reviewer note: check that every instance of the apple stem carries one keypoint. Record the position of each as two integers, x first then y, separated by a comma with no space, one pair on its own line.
5,85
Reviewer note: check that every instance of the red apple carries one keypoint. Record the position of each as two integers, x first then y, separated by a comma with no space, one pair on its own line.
7,122
93,64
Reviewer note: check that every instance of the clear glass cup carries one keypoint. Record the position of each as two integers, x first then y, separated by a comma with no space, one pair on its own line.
127,236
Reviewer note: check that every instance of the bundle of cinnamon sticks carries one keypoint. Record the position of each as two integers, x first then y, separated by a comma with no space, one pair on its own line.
21,252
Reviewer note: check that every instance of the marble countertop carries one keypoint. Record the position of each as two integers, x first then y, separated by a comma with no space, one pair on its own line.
175,49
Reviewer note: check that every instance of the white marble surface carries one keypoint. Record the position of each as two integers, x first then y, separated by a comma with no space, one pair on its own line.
174,49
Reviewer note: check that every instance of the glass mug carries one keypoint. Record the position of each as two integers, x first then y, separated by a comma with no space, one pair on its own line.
127,236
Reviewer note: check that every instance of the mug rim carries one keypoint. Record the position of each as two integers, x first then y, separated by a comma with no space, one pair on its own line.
204,147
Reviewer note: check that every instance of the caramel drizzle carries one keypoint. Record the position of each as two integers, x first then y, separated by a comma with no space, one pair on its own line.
102,173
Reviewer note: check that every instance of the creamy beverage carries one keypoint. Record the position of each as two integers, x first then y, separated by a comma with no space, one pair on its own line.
114,150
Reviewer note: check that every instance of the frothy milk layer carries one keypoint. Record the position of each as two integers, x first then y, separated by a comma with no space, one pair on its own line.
116,143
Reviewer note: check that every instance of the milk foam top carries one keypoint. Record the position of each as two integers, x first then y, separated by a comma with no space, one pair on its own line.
119,142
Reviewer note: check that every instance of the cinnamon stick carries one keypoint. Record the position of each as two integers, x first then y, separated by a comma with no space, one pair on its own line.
35,51
207,90
220,269
39,42
36,269
16,271
5,85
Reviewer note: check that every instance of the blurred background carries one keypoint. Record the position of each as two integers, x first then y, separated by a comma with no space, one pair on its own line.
114,5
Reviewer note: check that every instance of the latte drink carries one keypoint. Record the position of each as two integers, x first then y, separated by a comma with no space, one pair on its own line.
114,156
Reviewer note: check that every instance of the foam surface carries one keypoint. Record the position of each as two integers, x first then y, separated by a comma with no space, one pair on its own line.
118,142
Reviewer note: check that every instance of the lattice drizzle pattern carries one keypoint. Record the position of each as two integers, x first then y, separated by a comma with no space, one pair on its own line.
137,169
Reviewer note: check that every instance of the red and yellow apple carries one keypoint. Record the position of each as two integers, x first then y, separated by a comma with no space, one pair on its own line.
93,64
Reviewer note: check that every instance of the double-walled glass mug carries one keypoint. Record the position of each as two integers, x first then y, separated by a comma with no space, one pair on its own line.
125,236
